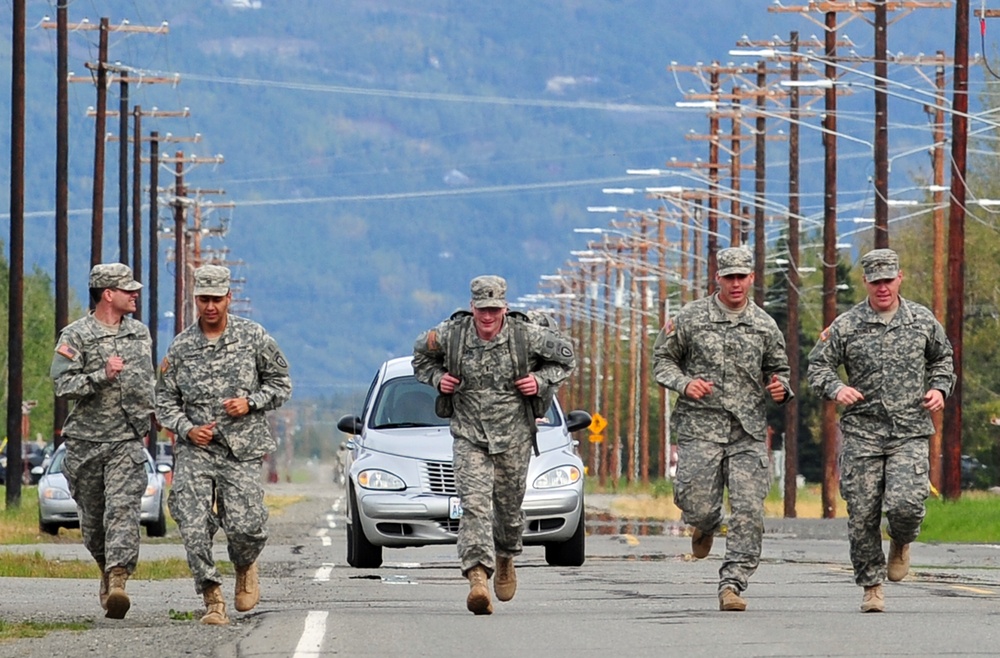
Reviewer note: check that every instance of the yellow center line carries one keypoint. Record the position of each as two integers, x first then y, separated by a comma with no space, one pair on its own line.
974,590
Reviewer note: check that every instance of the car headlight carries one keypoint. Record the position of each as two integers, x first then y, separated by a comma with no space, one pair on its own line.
557,477
53,493
150,491
380,480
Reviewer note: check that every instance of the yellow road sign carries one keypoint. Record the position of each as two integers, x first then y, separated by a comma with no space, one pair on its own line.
596,438
597,423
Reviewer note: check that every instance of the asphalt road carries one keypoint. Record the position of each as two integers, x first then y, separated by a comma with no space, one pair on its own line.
637,594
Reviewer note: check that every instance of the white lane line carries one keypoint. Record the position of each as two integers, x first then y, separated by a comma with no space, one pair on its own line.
322,532
327,541
312,634
323,573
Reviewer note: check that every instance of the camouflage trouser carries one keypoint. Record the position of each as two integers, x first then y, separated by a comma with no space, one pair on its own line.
107,481
212,491
491,488
895,481
703,469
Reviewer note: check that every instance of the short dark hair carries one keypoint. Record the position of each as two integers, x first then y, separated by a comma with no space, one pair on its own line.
95,295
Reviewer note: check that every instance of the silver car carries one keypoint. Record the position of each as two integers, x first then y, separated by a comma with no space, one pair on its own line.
57,509
401,484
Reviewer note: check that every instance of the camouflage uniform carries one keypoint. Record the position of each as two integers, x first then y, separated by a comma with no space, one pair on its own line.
721,437
884,455
195,377
493,432
105,466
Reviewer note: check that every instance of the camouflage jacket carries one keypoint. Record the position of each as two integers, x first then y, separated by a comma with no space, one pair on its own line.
489,411
738,358
105,410
891,365
196,376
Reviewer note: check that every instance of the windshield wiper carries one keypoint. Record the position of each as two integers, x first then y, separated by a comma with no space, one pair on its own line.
390,426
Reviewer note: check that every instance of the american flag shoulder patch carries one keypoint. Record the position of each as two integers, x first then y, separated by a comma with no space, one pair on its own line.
67,351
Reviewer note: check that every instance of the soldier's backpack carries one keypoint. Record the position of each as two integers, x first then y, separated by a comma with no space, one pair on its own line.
536,405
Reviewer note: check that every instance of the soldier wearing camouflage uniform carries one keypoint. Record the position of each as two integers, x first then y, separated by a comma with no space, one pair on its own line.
899,369
218,378
493,425
725,357
104,363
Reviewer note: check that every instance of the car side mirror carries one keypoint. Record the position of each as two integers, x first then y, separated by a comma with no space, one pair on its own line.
37,470
349,424
577,420
163,468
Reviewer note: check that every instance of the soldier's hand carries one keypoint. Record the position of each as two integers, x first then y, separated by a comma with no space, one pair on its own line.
236,407
114,366
449,383
698,388
201,435
848,396
776,389
528,385
933,400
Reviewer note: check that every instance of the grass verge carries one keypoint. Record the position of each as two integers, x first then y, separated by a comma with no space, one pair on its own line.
36,565
29,629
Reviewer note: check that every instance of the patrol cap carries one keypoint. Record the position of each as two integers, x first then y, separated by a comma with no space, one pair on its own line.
113,275
211,281
880,264
734,260
489,291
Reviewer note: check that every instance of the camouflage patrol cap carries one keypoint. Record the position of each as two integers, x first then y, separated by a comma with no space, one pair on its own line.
211,281
489,291
113,275
735,260
880,264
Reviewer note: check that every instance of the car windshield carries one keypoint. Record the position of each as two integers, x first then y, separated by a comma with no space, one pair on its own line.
55,466
405,402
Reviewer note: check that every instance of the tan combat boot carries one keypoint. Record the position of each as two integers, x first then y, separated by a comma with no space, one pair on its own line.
478,601
505,580
103,591
730,601
247,587
899,560
117,601
215,606
873,600
701,543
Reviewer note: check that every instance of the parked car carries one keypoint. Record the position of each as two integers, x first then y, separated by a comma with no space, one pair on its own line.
57,509
401,483
974,474
32,456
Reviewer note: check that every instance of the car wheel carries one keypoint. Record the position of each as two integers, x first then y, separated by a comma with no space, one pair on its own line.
570,553
158,528
47,528
361,553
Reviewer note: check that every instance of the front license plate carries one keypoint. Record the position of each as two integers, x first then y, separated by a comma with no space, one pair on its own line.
454,507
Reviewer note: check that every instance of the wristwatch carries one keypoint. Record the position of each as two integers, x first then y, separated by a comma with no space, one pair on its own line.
251,404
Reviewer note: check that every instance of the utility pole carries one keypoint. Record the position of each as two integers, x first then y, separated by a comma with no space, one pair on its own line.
101,67
791,439
956,250
15,293
60,404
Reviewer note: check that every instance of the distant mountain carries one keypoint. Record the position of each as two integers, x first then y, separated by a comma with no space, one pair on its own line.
381,154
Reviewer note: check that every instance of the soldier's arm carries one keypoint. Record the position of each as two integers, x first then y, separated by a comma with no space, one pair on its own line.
824,359
776,362
940,361
668,355
67,374
169,402
556,360
272,373
428,356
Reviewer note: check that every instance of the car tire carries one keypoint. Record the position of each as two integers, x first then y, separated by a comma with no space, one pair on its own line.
572,552
361,553
158,528
47,528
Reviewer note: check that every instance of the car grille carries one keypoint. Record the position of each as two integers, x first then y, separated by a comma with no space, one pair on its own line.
439,478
